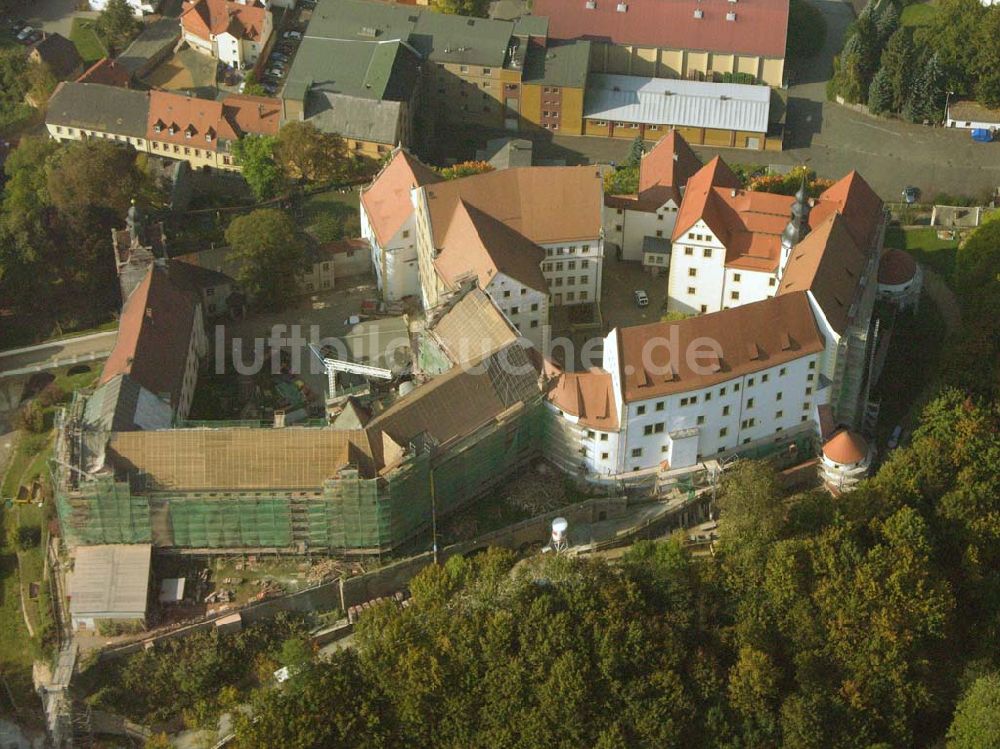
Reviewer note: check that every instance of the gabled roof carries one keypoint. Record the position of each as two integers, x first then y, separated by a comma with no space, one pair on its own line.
669,163
371,120
546,204
854,198
154,336
471,326
169,111
59,53
238,457
93,106
587,395
123,405
478,244
387,200
207,18
700,197
749,338
759,28
259,115
107,73
456,404
828,263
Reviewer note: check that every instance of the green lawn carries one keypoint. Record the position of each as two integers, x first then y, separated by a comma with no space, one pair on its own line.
924,245
331,215
918,14
15,654
86,41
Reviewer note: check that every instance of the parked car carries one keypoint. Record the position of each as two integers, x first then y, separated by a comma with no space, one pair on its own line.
982,135
278,57
275,73
911,194
32,38
24,33
641,299
296,35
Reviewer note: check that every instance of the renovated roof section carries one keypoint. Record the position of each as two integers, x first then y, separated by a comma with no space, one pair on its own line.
364,69
123,405
209,18
759,28
679,103
260,115
588,396
456,404
470,326
438,37
92,106
748,338
830,264
479,245
387,200
545,204
236,458
186,120
563,64
154,336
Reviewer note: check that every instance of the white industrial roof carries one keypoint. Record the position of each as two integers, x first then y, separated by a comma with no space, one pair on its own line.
110,581
666,101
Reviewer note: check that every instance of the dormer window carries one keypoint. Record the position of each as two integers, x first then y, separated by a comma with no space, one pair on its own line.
158,126
208,135
189,131
172,129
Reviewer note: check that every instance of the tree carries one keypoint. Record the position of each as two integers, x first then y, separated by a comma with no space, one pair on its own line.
898,62
474,8
951,36
635,152
887,22
304,152
41,83
466,169
880,94
117,25
251,86
255,156
987,44
93,174
977,717
926,102
270,254
13,87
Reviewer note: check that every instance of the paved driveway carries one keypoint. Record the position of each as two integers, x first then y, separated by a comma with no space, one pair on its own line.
54,16
833,139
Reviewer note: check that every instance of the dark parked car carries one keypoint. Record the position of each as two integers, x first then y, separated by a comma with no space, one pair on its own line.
911,194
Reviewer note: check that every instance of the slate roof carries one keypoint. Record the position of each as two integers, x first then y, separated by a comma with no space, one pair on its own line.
154,40
123,405
362,119
361,68
59,53
563,64
92,106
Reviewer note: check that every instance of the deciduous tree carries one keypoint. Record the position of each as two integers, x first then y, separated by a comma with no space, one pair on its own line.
305,152
117,25
255,156
270,253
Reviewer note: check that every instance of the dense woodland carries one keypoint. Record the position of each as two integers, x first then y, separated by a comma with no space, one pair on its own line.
863,621
908,70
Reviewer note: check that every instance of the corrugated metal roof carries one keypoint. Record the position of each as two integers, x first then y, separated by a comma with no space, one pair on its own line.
665,101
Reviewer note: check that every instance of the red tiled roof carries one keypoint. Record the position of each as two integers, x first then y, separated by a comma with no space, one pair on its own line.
543,203
587,395
108,73
749,338
207,18
846,447
191,120
341,246
670,163
387,200
479,245
760,27
259,115
853,197
154,335
896,267
829,263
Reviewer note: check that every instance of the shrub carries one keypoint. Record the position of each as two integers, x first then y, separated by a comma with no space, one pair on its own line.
28,537
51,395
31,418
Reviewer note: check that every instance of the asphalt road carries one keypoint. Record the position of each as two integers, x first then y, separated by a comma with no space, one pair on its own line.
57,353
833,139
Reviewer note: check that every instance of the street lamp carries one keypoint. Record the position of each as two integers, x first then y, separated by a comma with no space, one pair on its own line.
947,99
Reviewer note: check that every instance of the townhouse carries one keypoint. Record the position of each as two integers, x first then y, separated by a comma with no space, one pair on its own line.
199,131
232,31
